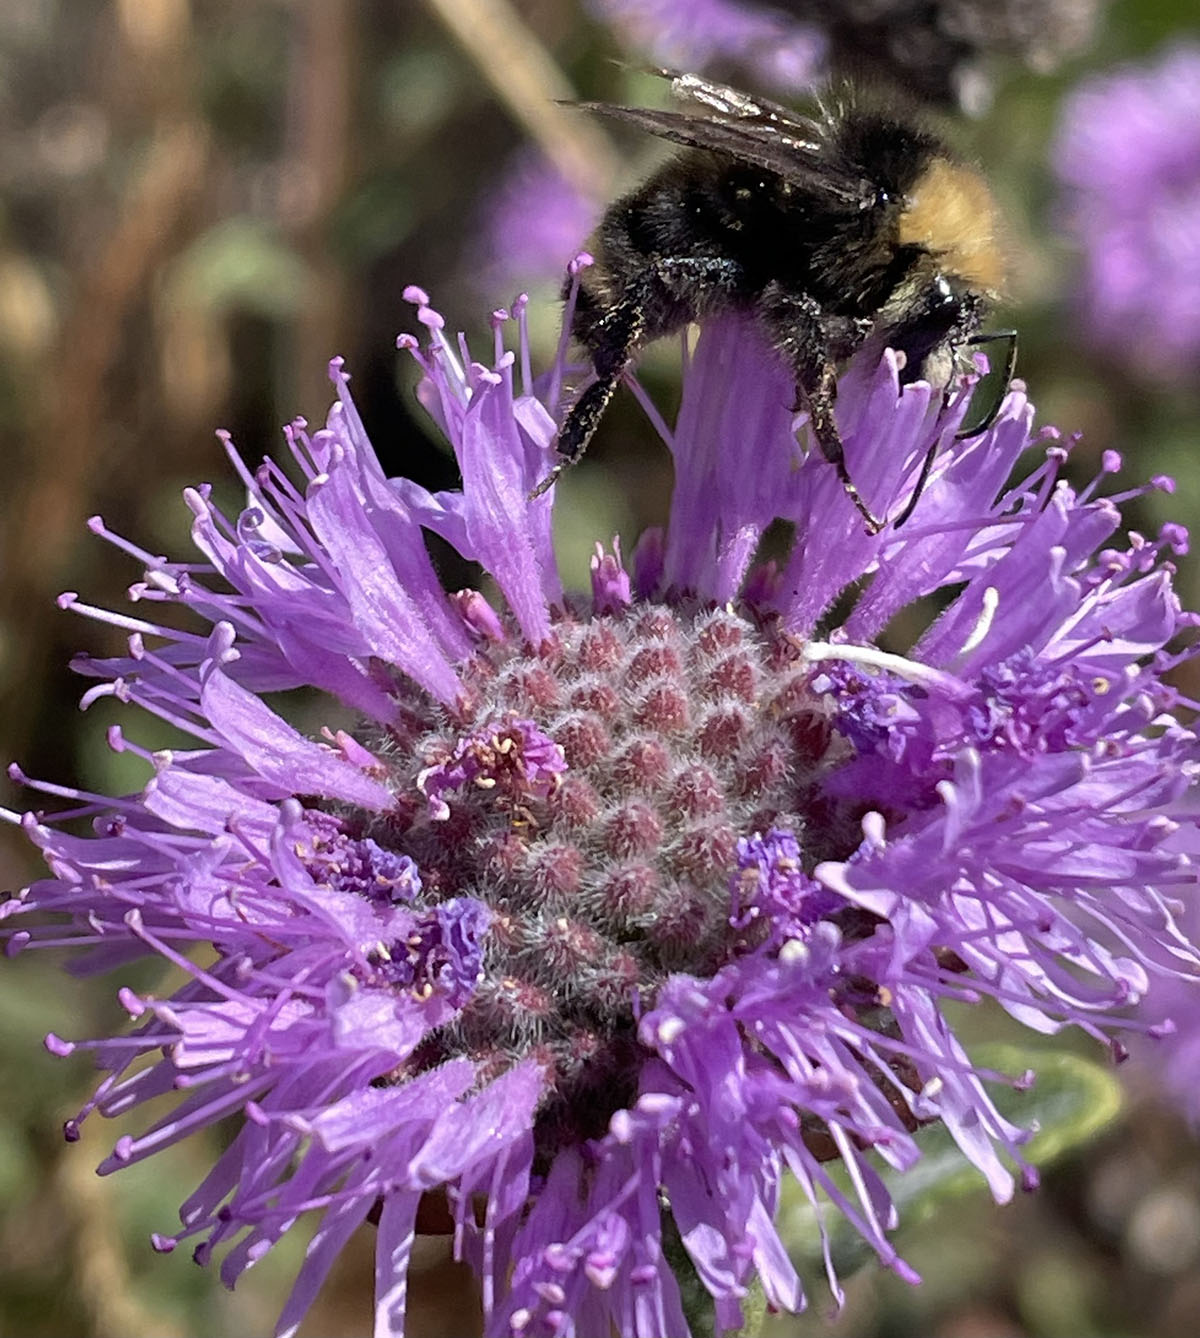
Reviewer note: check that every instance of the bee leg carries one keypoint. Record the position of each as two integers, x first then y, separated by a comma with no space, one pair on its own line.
804,336
579,426
818,397
1010,361
720,276
612,341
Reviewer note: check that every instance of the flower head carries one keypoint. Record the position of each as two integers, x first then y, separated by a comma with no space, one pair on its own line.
939,50
530,223
622,904
781,49
1128,158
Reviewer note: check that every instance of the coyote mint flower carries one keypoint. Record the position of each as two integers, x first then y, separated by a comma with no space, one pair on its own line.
616,907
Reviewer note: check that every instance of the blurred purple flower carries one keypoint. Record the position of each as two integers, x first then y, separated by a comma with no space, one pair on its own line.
613,903
941,50
1128,157
531,224
1174,1063
696,34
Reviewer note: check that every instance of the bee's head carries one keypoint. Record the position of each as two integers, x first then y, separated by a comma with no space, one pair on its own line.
929,314
935,206
948,213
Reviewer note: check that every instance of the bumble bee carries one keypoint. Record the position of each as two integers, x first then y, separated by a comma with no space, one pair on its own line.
853,226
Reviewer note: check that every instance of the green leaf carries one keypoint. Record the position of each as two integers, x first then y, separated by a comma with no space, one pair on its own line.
696,1300
1072,1100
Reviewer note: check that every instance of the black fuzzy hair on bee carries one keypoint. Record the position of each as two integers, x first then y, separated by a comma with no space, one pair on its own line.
850,226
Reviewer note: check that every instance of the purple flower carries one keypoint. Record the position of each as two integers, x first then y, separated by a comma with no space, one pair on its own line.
1173,1064
626,903
511,758
1176,1067
1128,158
695,34
532,223
941,50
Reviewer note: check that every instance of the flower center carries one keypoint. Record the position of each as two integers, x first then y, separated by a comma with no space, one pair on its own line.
592,793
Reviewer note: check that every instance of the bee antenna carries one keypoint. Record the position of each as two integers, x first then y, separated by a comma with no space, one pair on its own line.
1010,362
922,479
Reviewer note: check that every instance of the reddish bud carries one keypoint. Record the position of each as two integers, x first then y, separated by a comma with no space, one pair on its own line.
695,793
633,830
642,766
664,708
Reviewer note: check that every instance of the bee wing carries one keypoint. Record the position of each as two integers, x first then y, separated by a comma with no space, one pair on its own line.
729,101
793,149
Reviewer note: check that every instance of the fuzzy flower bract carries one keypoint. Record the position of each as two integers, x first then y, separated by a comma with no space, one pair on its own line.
587,911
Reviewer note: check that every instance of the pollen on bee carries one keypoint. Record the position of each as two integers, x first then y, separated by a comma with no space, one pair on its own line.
950,213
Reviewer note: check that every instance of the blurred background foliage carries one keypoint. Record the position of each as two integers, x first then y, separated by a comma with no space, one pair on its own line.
201,201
